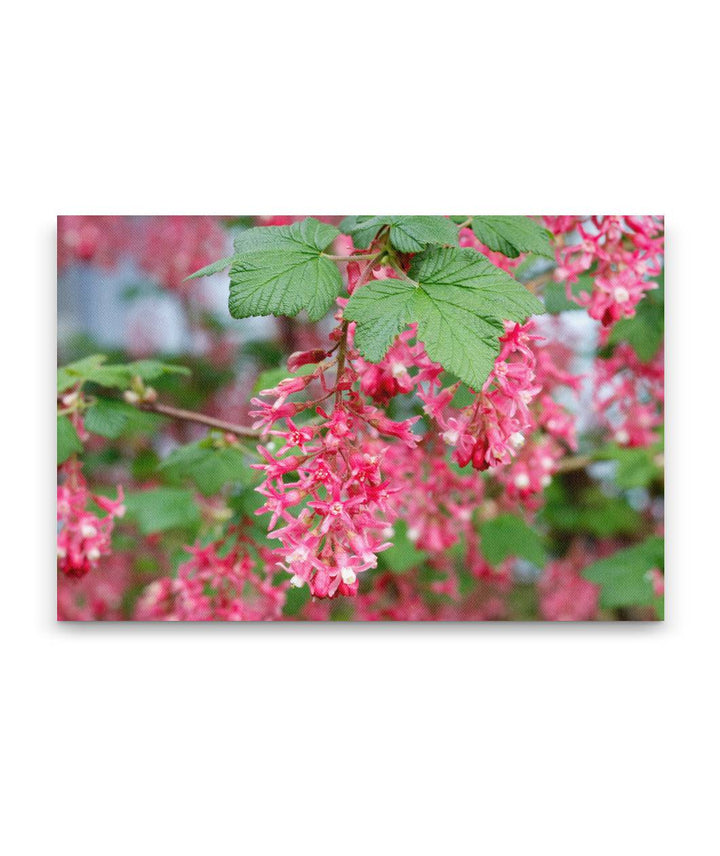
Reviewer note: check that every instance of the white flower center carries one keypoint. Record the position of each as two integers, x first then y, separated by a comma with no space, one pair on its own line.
622,295
451,436
299,554
348,576
522,480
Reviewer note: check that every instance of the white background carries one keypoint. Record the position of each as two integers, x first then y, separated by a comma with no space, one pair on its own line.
359,739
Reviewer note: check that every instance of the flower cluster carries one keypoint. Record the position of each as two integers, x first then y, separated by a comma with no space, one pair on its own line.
97,596
629,395
101,240
513,427
620,253
219,583
172,248
436,499
489,431
328,471
168,249
83,537
552,430
564,594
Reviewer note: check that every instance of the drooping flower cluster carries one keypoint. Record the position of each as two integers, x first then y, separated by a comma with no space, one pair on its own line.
329,472
514,427
83,537
489,431
436,499
216,584
564,594
171,248
97,596
101,240
552,431
168,249
620,253
629,396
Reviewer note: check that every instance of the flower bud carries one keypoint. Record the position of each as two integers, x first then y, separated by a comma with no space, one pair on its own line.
304,358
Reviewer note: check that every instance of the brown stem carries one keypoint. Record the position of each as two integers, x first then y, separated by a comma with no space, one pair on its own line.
341,361
356,258
574,462
200,418
533,284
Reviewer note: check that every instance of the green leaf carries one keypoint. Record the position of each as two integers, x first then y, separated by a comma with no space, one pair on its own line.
94,370
645,331
208,467
215,267
588,512
459,301
91,368
108,418
624,577
508,535
153,369
68,441
637,467
403,554
513,235
464,396
382,309
280,270
408,234
162,508
555,296
296,599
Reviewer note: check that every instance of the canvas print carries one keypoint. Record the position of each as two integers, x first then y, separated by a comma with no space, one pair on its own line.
360,418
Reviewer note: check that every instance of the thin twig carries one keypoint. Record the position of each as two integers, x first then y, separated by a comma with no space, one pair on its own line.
341,361
543,279
200,418
574,462
355,258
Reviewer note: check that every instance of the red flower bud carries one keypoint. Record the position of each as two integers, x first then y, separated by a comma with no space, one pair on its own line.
304,358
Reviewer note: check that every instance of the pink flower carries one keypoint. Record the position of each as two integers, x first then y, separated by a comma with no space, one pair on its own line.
215,585
620,253
82,536
629,395
332,502
564,594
